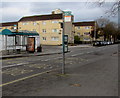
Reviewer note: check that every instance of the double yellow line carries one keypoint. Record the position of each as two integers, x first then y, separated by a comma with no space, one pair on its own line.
34,75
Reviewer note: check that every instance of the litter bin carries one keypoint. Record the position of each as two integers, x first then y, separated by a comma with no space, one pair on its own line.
39,49
18,51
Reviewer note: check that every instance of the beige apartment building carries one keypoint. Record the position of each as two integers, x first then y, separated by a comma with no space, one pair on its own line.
13,26
48,26
84,30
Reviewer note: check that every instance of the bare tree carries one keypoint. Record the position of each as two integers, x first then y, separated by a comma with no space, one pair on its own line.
114,8
107,29
102,22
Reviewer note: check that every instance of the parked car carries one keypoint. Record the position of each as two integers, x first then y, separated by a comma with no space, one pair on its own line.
109,42
100,43
96,43
105,42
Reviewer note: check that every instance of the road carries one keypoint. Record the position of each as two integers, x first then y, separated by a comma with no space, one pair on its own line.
90,71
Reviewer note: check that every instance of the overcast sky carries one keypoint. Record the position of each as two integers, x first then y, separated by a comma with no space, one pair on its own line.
13,11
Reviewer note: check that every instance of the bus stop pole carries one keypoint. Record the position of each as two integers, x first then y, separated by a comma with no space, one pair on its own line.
63,64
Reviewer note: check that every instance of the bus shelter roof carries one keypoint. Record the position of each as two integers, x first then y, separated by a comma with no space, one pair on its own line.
8,32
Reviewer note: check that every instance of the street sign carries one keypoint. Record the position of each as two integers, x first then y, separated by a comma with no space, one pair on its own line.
67,13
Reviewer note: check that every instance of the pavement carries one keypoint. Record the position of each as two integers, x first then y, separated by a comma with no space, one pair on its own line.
47,50
90,74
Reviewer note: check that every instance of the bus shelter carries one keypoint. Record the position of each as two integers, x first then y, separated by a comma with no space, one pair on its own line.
18,41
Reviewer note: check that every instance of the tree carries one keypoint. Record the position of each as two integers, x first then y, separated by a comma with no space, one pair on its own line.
102,22
118,34
114,8
76,39
107,29
110,30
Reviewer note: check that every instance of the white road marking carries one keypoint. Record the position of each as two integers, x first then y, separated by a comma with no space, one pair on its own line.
14,65
77,54
45,60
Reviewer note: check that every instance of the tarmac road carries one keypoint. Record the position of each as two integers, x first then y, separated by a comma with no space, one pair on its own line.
90,71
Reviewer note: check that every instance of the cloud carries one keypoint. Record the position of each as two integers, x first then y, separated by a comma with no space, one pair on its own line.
13,11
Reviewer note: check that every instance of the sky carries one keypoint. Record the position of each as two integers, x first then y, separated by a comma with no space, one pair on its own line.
82,11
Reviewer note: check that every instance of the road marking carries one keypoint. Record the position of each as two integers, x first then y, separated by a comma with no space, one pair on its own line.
14,65
77,54
45,60
16,71
58,58
74,55
34,75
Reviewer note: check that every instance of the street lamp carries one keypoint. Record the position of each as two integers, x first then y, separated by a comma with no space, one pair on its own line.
63,64
95,32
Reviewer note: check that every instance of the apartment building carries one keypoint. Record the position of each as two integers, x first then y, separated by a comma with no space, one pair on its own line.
13,26
48,26
84,30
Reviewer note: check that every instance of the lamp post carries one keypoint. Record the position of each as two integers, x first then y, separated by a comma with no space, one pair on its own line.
95,32
63,64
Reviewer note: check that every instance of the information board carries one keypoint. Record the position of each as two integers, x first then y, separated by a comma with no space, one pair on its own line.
31,44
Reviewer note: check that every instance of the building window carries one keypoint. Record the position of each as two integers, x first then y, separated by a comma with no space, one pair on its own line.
14,28
55,30
25,23
78,27
78,34
24,40
54,38
86,33
86,39
44,38
55,22
44,30
34,29
34,23
87,27
44,23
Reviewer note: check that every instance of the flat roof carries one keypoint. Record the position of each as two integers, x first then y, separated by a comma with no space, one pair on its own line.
41,17
8,32
88,23
8,24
